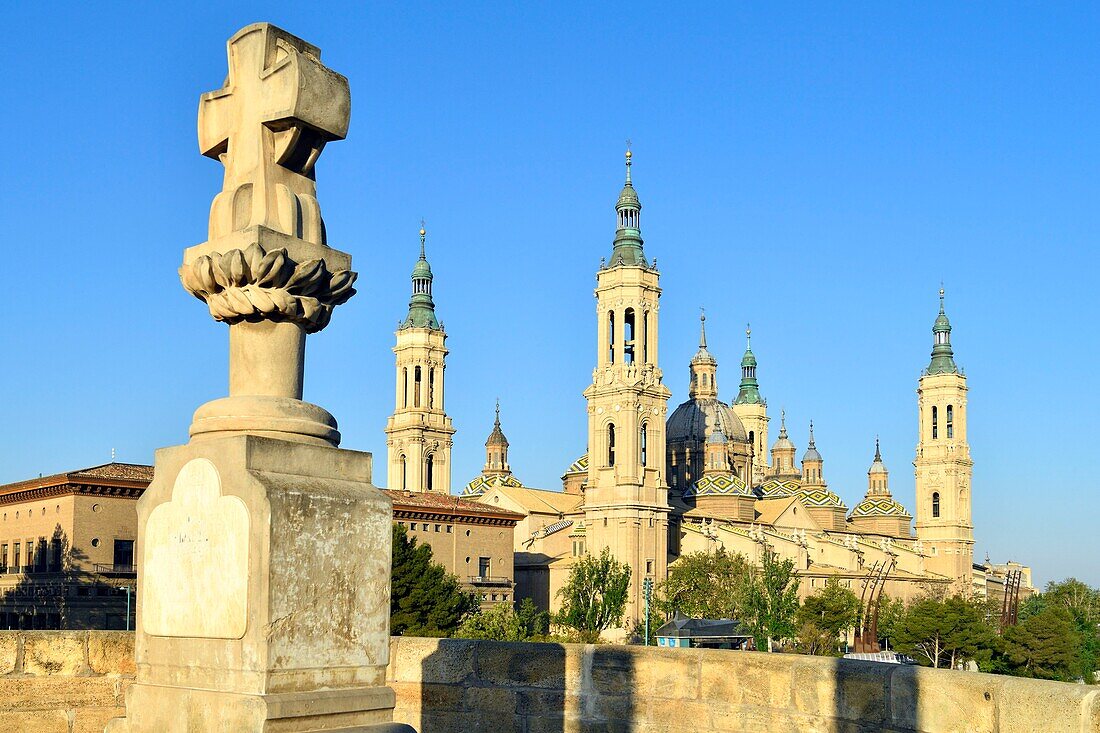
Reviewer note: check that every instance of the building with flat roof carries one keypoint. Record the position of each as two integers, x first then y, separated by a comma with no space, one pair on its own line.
67,548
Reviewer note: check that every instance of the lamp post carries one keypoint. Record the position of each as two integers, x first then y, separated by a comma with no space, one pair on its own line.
127,589
647,590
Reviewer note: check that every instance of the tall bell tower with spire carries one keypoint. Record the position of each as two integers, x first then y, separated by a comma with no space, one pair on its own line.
418,434
943,466
752,409
626,502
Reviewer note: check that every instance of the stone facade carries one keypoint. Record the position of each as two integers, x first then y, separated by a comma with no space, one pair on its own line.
469,539
67,548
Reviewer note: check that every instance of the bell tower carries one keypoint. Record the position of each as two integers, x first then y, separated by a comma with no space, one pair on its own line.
626,502
943,466
752,410
418,434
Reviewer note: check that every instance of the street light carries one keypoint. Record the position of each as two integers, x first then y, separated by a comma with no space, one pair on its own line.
647,590
127,589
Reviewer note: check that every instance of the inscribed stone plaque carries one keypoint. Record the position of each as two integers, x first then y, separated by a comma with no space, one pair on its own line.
195,571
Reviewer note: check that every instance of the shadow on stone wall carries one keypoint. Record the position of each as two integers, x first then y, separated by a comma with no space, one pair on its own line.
534,688
498,687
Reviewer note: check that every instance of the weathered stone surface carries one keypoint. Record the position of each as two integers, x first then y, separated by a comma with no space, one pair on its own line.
47,653
111,652
9,652
196,559
35,721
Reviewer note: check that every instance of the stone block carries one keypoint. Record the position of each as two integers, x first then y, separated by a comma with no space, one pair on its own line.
45,693
611,670
538,703
54,653
667,674
752,678
9,651
521,665
111,652
861,692
943,700
433,661
94,720
1030,705
494,701
35,721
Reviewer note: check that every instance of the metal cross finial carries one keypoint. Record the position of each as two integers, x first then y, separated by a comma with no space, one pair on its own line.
748,335
702,328
629,155
498,411
423,234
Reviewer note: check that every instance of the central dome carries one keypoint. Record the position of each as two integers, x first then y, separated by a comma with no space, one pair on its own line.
689,421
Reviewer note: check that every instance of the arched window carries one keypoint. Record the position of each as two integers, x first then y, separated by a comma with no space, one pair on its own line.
628,336
935,503
950,422
611,337
752,441
645,337
405,389
611,445
416,387
429,464
431,387
935,423
642,439
404,472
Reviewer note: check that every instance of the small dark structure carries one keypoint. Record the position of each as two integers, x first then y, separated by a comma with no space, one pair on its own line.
703,633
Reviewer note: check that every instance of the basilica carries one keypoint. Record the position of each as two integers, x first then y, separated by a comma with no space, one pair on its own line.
656,483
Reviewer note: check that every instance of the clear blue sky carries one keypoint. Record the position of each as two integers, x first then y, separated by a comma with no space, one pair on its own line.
815,171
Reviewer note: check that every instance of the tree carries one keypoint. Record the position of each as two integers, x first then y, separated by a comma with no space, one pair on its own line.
704,585
533,622
425,600
945,633
499,623
769,600
594,597
824,616
1045,645
891,615
1083,604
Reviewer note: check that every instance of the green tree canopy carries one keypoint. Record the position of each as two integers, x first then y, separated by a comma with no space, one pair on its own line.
824,616
425,600
1045,645
945,633
499,623
891,615
704,585
769,600
594,597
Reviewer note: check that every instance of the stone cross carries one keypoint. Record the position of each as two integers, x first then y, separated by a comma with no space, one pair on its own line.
267,126
267,269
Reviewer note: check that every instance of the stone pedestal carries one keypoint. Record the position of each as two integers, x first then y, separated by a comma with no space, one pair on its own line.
263,591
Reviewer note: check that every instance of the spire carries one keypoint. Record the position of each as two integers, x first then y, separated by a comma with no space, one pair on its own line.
496,449
877,475
628,237
704,367
811,453
421,306
749,393
943,361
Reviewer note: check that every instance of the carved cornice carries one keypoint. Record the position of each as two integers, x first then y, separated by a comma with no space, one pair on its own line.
255,285
123,490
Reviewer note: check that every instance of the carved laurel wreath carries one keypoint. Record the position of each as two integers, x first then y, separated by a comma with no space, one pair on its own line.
256,285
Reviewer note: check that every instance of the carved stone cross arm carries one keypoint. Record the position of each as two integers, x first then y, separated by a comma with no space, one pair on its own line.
268,125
